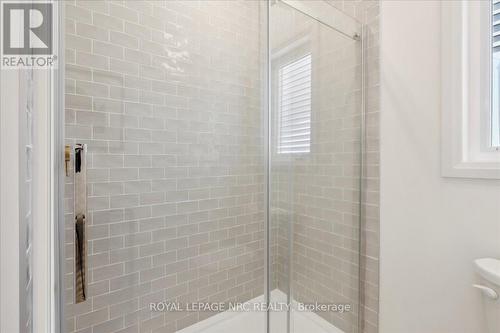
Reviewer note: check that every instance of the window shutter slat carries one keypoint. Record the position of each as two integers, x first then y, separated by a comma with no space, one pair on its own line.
495,73
295,107
495,25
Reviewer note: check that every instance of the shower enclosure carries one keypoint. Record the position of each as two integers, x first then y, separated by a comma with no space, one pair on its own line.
214,157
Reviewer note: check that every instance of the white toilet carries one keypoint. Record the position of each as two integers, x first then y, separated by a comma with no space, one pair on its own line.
489,284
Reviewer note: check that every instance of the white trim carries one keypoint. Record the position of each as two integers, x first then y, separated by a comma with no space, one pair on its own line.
46,280
42,263
465,91
9,201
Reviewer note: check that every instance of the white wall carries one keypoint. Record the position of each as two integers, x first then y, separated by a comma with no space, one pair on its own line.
431,227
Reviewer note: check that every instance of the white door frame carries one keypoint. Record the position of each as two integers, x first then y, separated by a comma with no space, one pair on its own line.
9,201
47,188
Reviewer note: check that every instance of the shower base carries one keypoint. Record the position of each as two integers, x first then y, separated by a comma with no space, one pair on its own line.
251,322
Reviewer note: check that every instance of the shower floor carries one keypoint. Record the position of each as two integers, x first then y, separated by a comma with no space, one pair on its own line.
252,322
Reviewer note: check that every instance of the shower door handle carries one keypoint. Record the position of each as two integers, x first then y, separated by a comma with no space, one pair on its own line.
80,259
80,223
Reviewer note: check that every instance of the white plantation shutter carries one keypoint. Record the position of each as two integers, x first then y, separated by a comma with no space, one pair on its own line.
295,107
495,75
495,29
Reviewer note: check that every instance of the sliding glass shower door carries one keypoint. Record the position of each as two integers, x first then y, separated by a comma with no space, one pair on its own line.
213,160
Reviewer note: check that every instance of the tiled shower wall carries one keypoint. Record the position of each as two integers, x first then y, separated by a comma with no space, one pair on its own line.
319,191
367,12
166,95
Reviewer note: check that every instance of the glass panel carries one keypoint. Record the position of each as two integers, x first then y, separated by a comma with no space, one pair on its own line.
26,192
168,96
315,208
171,99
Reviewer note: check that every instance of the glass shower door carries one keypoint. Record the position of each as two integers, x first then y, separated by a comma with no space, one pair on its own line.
166,121
315,102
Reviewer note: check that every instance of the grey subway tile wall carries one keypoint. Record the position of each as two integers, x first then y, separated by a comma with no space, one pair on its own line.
167,96
316,193
367,12
315,215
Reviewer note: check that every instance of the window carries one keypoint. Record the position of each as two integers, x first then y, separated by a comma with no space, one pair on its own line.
470,89
495,74
294,133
